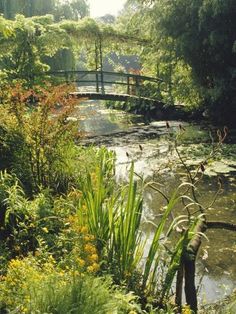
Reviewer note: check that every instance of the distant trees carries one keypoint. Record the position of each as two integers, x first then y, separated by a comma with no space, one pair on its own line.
69,9
10,8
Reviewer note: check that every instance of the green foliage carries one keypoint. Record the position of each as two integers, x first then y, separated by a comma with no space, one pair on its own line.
31,287
193,47
126,247
26,7
5,27
113,215
32,40
78,219
36,146
98,189
152,263
70,9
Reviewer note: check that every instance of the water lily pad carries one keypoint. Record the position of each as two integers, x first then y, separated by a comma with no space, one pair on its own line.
219,167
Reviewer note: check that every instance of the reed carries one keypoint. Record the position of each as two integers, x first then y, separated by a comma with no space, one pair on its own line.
127,245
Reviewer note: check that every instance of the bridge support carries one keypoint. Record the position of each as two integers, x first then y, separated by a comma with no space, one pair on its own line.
137,85
101,66
128,85
96,67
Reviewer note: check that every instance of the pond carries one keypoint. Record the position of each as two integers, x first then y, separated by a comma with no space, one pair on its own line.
150,146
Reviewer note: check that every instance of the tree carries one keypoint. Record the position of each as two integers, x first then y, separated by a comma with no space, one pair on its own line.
32,39
71,10
202,37
107,19
28,8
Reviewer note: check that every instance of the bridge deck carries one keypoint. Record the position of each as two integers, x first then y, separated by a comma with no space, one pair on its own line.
112,96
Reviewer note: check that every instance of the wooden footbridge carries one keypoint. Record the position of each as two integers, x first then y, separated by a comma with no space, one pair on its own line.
110,85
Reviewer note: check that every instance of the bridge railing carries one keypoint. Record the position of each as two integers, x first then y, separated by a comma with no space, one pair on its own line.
101,80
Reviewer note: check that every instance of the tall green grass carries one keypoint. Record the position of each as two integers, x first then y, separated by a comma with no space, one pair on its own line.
114,216
127,245
99,198
153,259
85,295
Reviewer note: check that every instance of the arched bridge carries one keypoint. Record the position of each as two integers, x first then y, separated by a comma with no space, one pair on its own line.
111,85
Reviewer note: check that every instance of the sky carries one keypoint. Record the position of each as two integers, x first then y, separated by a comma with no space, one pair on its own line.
103,7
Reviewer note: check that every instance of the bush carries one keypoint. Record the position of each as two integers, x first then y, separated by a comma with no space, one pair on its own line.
33,288
36,138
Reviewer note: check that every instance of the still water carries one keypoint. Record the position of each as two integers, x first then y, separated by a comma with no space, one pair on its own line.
150,146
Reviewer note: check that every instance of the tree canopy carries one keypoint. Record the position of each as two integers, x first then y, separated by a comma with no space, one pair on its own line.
198,39
69,9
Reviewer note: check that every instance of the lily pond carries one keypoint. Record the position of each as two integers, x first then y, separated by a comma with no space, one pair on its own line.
150,146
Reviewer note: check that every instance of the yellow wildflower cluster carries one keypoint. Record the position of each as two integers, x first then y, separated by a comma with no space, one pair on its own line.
186,309
83,229
90,248
92,257
84,256
21,273
87,257
88,237
93,268
73,221
81,262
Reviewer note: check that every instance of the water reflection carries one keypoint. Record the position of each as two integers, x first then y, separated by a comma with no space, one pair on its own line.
150,149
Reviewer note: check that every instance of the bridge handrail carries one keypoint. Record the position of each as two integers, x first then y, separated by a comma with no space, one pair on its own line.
128,75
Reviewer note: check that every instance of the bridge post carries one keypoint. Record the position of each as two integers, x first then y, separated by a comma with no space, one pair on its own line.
128,86
97,83
67,77
101,66
102,83
137,85
96,66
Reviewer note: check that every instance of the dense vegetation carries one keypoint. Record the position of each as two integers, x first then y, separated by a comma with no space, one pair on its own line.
196,52
71,236
193,45
64,220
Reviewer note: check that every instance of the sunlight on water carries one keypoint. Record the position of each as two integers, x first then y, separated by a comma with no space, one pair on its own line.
149,147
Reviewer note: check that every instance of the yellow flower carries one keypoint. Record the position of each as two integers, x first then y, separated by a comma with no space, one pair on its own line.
81,262
89,237
45,229
15,263
90,248
84,229
93,257
186,309
96,266
93,268
90,269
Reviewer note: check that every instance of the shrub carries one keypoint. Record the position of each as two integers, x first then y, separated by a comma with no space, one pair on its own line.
36,138
32,288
